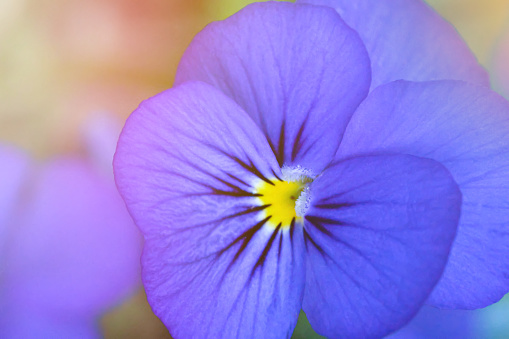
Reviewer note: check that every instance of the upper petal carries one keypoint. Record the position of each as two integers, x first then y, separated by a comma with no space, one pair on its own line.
466,128
378,234
407,39
298,71
187,164
250,287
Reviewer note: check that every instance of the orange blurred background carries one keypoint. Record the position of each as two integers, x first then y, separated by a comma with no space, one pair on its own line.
60,60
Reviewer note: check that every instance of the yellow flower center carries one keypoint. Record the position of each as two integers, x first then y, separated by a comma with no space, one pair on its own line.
281,198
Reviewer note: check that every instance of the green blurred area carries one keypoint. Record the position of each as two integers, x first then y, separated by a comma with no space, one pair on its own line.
303,330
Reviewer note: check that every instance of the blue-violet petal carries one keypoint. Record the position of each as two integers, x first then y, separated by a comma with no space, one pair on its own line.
188,164
407,39
378,234
465,127
299,71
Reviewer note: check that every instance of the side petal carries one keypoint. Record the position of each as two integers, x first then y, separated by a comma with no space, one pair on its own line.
466,128
187,164
298,71
378,233
74,250
407,39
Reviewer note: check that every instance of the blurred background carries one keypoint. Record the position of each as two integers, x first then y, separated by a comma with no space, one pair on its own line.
64,61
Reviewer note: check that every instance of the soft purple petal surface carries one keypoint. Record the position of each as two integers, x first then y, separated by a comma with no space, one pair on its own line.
466,128
187,164
378,234
74,251
14,169
298,71
19,323
432,322
407,39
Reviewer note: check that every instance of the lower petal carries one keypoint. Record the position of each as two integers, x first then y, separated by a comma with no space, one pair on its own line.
378,234
252,288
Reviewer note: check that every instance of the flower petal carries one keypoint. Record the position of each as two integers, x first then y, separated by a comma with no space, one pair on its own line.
432,322
378,233
24,324
14,169
74,250
407,40
252,288
187,164
298,71
466,128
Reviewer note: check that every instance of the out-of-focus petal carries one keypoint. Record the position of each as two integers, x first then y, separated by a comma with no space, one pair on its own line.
14,168
407,39
378,233
74,250
298,70
432,322
187,164
100,135
20,323
466,128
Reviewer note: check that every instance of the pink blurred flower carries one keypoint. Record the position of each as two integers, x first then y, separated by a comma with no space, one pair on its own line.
71,251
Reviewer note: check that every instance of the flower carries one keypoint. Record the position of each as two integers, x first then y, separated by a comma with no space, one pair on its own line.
397,186
70,250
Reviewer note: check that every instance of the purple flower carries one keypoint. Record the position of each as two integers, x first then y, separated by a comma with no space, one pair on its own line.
70,249
287,169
